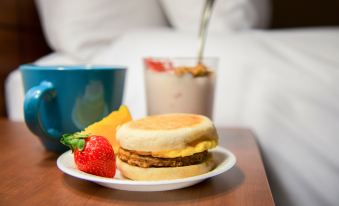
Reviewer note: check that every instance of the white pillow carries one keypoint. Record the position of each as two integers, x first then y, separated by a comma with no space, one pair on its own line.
227,15
80,28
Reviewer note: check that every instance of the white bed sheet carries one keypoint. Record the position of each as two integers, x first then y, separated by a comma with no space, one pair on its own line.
283,84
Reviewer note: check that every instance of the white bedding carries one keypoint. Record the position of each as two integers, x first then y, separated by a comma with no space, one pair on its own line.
283,84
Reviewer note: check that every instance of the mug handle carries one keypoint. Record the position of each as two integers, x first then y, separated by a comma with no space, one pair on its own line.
33,100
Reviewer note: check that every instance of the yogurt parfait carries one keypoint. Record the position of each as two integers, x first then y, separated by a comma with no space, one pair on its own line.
180,85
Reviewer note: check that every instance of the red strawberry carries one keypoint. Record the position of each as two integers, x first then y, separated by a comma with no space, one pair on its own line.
92,154
158,66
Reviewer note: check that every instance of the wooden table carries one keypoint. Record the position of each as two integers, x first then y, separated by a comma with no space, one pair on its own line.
29,176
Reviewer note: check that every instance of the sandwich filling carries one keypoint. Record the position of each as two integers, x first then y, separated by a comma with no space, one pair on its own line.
146,160
197,146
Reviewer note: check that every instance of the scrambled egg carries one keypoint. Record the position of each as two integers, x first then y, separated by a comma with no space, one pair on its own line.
187,151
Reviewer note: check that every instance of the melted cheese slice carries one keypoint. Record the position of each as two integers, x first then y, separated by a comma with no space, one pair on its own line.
187,151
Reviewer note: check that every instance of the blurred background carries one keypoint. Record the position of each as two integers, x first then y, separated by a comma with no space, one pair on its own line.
278,72
22,39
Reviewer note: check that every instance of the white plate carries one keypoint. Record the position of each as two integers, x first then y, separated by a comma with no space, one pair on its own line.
223,158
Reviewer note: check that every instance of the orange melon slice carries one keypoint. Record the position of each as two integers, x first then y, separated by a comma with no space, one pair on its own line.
108,125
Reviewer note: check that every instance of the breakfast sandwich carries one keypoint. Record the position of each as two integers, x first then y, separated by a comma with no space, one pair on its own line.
166,147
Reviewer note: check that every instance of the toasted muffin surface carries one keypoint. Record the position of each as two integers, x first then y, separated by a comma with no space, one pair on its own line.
164,134
167,122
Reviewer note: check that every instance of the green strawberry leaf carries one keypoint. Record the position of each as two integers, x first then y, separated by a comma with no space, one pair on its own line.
81,145
74,141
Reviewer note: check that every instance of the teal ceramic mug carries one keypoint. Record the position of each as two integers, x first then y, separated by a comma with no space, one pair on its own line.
66,99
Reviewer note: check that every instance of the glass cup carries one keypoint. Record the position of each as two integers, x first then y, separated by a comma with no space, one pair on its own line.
171,89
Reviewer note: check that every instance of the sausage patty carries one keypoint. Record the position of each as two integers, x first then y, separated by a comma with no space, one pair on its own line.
136,159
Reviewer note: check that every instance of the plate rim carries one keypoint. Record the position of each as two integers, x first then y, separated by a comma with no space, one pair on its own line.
231,161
